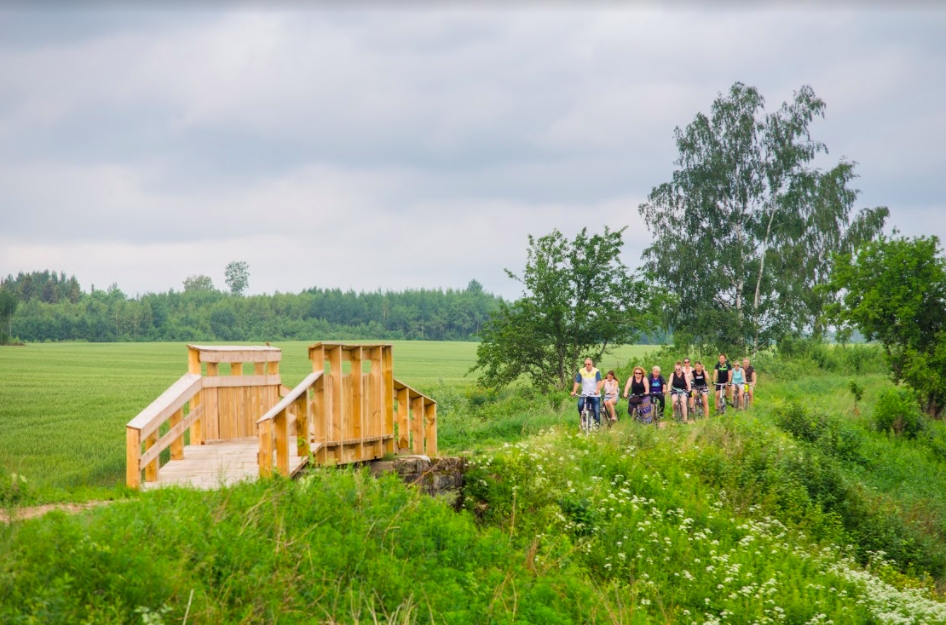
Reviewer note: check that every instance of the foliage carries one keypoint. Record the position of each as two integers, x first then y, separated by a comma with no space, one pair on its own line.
893,290
8,304
237,276
897,411
744,230
15,490
578,300
198,283
858,392
205,314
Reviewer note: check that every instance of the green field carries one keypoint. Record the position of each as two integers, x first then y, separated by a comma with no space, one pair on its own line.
63,406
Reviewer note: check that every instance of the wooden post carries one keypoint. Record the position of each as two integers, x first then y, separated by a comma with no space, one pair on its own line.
132,457
236,368
302,425
151,469
387,397
357,399
265,459
193,361
197,427
376,404
430,431
318,418
417,424
281,434
336,432
403,419
177,445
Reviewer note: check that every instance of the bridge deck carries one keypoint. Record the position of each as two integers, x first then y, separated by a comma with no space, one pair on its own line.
219,464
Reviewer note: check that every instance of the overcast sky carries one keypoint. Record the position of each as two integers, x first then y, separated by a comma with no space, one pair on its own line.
416,148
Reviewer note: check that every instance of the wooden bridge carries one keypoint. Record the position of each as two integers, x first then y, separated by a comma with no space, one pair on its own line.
216,425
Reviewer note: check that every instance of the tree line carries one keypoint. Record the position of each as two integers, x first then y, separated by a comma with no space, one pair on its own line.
48,306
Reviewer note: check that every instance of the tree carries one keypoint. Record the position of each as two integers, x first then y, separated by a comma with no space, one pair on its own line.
893,290
744,231
198,284
578,300
237,276
8,304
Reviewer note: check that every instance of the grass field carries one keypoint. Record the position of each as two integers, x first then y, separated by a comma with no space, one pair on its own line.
63,406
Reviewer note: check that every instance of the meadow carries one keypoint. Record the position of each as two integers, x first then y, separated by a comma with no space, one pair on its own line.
801,510
63,406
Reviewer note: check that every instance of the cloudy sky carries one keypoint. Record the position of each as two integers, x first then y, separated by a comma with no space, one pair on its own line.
418,147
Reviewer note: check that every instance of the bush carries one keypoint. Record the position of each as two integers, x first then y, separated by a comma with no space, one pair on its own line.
898,411
14,490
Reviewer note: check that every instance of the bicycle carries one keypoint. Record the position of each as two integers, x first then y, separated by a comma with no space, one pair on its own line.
699,405
586,421
746,396
737,397
721,397
644,411
678,404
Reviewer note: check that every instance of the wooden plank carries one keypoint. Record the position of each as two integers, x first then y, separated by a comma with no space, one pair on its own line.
197,427
193,360
236,368
297,392
233,381
177,444
387,395
318,418
169,402
175,433
281,434
338,405
265,456
403,419
357,400
259,368
132,457
236,353
430,428
151,468
317,356
302,424
417,425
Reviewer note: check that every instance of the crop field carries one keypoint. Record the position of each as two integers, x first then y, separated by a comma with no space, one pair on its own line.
63,406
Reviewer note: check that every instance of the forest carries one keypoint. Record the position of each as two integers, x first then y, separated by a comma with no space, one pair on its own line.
49,306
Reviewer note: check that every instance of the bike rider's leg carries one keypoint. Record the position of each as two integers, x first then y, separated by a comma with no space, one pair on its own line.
581,406
683,404
596,408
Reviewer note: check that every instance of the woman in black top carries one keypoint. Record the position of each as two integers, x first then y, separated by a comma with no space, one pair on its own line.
701,385
680,389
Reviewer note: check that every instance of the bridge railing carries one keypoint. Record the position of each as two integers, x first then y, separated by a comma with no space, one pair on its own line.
295,410
180,405
347,413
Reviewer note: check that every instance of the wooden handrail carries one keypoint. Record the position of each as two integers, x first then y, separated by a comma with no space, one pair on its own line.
292,396
273,428
169,405
169,402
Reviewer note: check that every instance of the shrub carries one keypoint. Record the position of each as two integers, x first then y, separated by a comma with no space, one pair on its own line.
14,490
898,411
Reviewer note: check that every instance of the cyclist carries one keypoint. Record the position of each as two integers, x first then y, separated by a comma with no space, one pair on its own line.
750,377
612,391
721,378
701,385
657,384
636,389
738,379
679,389
688,372
589,379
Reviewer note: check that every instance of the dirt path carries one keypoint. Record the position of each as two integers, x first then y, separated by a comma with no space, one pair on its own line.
35,511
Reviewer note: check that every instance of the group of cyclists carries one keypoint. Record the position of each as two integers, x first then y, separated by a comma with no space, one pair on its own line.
688,387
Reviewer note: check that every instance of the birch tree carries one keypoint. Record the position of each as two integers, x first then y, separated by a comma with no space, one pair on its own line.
744,230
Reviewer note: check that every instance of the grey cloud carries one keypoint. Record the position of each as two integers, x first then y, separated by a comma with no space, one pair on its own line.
293,126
